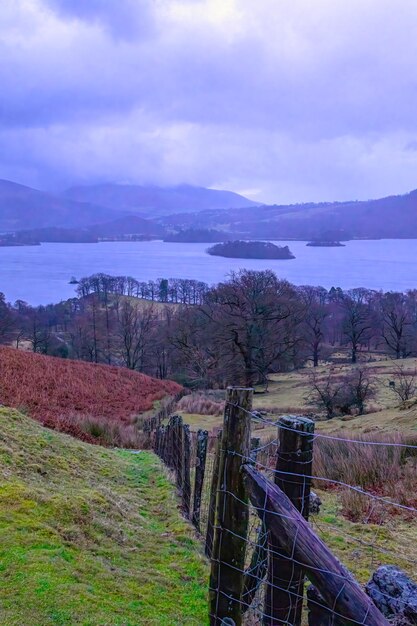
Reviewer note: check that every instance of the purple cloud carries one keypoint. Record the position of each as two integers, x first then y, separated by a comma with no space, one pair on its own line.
288,101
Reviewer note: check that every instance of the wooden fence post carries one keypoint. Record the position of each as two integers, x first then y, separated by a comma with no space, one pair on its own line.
213,496
200,468
295,538
257,569
232,511
186,477
170,443
284,593
178,451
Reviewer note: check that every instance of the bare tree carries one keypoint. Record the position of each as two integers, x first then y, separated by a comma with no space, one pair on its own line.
357,324
7,320
358,388
326,391
340,394
135,325
396,324
314,318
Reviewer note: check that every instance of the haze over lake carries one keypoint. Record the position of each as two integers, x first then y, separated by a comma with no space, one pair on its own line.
40,274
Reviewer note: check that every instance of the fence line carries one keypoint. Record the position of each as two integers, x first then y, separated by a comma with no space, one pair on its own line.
249,501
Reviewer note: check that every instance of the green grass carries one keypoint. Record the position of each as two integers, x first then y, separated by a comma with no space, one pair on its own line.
288,394
91,536
364,547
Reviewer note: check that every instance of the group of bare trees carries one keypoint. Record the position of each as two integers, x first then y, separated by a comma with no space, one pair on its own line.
174,290
238,331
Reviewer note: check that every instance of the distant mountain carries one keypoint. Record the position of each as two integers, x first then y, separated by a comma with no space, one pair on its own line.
150,201
22,207
391,217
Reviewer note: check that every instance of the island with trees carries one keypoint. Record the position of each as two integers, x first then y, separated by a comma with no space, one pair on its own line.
250,250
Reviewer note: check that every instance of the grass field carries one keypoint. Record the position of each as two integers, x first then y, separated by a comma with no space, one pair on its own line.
288,394
91,536
388,536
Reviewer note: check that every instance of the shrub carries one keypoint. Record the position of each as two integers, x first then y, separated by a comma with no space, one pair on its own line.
60,393
201,404
387,471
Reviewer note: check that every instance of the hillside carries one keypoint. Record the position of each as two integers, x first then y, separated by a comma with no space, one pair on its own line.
91,536
152,201
25,208
131,224
74,396
391,217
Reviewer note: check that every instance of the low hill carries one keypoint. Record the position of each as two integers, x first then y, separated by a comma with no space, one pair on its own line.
390,218
152,201
91,536
83,399
129,225
23,208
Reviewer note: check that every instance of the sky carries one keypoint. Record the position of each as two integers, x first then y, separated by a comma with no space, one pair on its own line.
281,100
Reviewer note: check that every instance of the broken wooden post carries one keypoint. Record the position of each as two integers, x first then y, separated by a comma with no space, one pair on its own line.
285,581
200,467
232,511
295,539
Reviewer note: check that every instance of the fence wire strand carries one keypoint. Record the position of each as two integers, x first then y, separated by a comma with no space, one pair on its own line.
261,551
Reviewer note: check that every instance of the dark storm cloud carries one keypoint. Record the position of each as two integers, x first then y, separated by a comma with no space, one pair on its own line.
286,100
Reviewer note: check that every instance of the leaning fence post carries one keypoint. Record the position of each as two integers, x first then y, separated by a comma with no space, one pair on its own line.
213,496
340,591
186,477
200,467
232,511
178,450
284,593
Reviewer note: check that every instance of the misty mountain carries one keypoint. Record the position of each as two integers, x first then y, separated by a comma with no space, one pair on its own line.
22,207
151,201
390,217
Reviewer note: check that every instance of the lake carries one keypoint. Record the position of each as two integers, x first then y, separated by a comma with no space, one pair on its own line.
40,274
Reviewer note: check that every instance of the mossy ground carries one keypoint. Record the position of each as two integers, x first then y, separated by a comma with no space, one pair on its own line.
91,536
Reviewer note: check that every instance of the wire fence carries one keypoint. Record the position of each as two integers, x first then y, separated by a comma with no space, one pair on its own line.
250,500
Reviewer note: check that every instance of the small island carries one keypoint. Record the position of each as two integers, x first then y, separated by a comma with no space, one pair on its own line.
251,250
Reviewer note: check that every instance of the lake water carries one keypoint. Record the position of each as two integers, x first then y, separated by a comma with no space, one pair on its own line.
40,274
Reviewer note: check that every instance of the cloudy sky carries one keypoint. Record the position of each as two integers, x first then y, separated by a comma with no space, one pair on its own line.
282,100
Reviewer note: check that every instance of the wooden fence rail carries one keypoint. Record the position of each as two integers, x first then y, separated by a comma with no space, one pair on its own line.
297,542
271,562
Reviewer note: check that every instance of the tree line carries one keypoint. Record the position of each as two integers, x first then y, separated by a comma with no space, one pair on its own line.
238,331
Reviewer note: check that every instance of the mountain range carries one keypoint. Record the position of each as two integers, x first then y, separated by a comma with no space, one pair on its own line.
112,210
23,207
154,201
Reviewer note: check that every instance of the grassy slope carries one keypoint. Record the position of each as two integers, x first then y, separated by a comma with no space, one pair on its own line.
361,547
364,547
91,536
288,393
58,391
